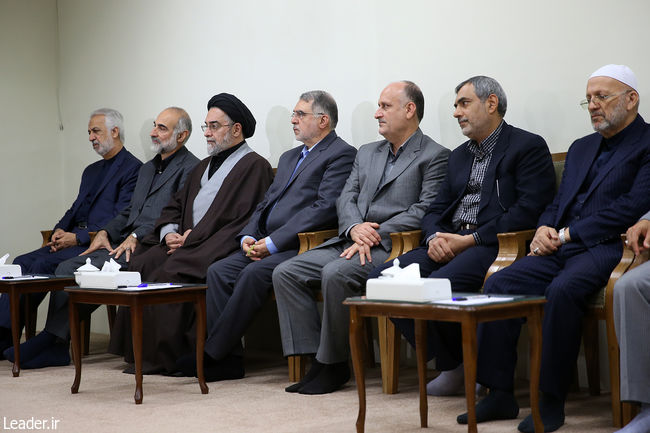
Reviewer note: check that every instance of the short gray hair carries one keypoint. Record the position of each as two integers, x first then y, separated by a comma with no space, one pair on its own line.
184,122
414,94
486,86
112,119
324,103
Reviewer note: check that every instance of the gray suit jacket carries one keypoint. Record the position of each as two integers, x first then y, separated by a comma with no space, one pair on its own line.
399,203
148,200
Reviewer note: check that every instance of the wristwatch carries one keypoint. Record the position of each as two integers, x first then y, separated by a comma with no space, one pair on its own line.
134,235
562,235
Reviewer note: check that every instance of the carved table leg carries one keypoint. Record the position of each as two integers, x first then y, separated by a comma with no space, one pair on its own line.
535,335
136,335
75,340
14,305
421,355
356,345
200,340
468,325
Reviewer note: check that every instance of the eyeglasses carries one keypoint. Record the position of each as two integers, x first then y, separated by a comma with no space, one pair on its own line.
600,99
214,126
300,114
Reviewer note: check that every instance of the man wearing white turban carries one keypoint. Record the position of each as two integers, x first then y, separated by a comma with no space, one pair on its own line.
604,190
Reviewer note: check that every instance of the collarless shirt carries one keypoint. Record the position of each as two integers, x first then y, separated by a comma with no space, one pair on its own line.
81,216
161,164
219,158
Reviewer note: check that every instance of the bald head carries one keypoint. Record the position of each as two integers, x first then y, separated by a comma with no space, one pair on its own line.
398,112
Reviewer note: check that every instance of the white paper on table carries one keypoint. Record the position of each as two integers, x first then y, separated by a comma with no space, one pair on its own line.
476,300
156,286
25,277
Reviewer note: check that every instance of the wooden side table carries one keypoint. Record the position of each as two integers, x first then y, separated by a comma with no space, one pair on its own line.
532,308
136,301
16,287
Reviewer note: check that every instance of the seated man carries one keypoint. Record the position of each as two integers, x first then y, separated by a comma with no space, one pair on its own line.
391,184
106,188
197,227
576,246
498,181
158,180
302,198
632,321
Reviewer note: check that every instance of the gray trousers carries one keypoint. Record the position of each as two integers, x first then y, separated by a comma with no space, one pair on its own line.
632,321
296,282
57,314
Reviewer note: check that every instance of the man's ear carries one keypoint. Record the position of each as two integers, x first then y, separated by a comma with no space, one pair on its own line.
492,103
324,121
410,110
180,138
633,99
237,130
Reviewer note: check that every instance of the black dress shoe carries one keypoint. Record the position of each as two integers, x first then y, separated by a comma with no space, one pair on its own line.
5,340
331,378
229,368
316,367
186,364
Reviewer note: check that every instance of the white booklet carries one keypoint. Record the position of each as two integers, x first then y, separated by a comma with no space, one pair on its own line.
149,286
24,277
474,300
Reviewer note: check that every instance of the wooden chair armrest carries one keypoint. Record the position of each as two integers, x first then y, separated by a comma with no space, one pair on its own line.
628,261
47,234
309,240
512,246
403,242
397,245
411,240
304,242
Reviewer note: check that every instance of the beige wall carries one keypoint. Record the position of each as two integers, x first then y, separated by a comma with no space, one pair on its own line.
140,57
31,169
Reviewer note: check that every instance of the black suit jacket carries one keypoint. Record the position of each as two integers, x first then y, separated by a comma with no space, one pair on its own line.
113,195
308,201
616,198
518,184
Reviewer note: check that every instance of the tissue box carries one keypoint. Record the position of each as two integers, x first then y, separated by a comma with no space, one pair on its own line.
107,280
415,290
10,271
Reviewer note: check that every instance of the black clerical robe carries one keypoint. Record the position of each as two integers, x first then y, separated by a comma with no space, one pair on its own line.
168,329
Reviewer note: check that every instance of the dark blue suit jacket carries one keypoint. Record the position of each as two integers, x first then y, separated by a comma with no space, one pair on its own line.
617,197
308,202
518,184
113,195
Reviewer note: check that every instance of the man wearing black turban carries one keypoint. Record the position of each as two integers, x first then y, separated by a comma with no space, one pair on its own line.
197,227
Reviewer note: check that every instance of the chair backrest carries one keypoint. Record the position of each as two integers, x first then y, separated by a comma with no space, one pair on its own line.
558,166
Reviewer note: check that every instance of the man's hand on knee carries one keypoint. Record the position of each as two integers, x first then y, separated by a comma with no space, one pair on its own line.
362,249
638,237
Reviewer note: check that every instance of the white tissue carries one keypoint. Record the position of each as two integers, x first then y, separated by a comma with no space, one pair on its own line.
411,272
